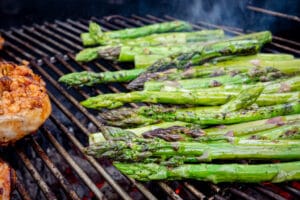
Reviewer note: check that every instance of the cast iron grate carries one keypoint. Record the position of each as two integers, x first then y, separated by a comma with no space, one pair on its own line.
51,163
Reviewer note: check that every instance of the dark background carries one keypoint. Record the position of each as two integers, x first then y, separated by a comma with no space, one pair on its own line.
227,12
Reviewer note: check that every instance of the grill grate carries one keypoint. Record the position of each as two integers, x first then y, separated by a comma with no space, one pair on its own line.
53,162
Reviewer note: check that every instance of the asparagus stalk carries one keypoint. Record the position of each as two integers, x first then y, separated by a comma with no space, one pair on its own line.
289,131
288,67
282,127
113,100
96,36
197,115
277,86
234,46
249,128
209,117
227,79
143,150
116,132
125,118
216,173
144,61
128,53
87,78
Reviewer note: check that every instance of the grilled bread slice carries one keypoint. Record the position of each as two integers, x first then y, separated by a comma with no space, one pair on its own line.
24,103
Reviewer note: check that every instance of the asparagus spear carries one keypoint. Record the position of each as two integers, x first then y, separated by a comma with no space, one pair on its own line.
197,115
289,131
87,78
216,173
234,46
116,132
127,53
178,131
227,79
208,117
277,86
96,36
193,98
288,67
249,128
143,150
123,117
144,61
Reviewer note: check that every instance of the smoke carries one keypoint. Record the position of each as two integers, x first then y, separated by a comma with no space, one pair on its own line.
225,12
236,14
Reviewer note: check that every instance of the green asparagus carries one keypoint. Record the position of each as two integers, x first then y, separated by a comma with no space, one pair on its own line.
227,79
276,86
146,115
144,61
96,36
142,150
87,78
290,131
216,173
282,127
193,98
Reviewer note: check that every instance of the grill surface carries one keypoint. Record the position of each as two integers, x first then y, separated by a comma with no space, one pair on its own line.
51,164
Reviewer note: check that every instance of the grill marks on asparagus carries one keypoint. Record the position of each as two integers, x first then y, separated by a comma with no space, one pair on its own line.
146,115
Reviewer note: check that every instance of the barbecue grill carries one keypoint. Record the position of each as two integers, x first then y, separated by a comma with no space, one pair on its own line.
51,164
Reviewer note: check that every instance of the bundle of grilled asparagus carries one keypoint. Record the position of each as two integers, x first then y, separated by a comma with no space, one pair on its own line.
210,99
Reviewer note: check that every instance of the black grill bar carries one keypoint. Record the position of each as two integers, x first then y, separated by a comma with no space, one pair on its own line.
273,13
35,174
169,190
270,193
21,190
192,189
241,194
52,57
48,27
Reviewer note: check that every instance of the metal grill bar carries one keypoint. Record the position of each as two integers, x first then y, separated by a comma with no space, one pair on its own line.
54,27
44,46
192,189
10,36
53,42
273,13
170,192
269,193
241,194
22,191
